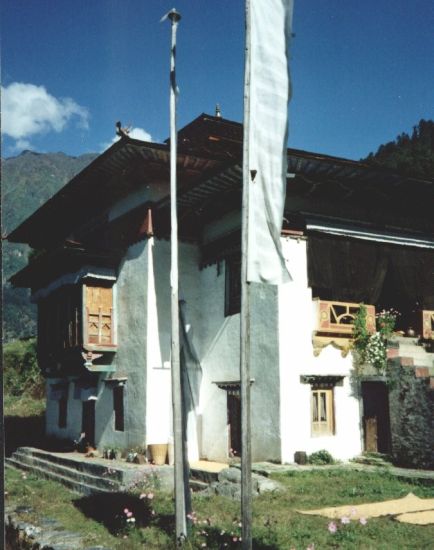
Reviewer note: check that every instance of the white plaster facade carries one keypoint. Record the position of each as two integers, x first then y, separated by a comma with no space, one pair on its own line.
281,352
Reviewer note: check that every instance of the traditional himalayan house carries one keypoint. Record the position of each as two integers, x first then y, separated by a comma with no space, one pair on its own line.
352,233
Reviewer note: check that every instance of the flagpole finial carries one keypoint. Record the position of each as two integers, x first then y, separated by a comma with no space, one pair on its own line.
173,15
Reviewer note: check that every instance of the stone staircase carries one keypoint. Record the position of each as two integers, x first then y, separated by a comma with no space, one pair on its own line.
409,352
204,473
86,475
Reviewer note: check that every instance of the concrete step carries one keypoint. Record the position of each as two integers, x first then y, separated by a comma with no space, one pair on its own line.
105,482
73,485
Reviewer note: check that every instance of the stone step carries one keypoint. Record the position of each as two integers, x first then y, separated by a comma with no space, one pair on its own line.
73,485
80,464
414,351
94,471
71,473
197,485
203,475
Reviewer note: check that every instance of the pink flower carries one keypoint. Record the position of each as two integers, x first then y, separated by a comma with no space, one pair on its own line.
129,514
363,521
345,520
126,510
234,539
332,527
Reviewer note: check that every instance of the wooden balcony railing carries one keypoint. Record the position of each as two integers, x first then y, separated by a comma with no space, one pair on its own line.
335,321
427,324
100,328
338,317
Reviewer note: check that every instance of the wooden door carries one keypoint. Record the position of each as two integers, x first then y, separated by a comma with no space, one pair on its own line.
234,424
88,421
371,435
376,421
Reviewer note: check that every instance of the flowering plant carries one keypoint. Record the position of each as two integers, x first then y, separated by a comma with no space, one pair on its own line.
372,348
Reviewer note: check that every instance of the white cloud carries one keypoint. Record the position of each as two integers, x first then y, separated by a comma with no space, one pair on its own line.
135,133
23,144
28,110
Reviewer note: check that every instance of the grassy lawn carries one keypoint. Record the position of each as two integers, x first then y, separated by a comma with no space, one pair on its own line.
276,522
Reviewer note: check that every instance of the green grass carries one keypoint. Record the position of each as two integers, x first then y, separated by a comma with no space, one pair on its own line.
23,406
276,523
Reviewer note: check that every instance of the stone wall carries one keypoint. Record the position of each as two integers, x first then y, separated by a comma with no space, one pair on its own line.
411,404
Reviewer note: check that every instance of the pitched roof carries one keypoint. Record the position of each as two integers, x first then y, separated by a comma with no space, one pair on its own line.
209,177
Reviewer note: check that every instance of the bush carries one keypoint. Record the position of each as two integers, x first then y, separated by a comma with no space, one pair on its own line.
21,373
320,458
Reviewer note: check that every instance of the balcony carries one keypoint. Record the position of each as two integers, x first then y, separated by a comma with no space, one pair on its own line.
334,324
77,322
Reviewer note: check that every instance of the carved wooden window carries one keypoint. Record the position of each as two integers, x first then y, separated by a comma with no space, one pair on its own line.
322,411
233,286
99,315
118,407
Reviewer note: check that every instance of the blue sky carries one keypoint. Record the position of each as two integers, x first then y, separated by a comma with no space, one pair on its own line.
362,71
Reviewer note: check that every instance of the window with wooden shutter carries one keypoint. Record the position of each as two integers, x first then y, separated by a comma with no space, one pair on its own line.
322,411
99,315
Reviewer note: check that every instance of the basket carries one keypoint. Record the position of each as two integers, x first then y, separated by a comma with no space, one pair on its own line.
158,453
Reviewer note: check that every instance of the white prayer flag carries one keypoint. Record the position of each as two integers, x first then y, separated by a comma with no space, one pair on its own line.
270,91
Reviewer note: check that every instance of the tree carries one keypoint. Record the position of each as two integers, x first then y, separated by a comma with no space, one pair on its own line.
413,155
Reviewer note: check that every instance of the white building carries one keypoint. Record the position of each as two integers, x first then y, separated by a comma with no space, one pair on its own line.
103,296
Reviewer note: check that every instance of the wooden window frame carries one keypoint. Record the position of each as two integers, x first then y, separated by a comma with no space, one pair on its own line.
326,426
119,408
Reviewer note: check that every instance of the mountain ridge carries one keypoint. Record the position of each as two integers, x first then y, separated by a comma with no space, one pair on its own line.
28,180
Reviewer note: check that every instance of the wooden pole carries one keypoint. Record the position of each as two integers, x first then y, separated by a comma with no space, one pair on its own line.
179,467
246,451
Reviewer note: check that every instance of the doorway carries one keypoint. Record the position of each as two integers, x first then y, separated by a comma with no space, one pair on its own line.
376,420
88,421
234,424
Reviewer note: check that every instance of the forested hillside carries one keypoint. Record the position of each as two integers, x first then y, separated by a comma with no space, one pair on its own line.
409,154
28,180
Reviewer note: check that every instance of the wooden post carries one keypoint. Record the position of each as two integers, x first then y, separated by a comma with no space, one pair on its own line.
181,489
246,452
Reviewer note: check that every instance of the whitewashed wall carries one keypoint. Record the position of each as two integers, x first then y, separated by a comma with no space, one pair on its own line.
296,324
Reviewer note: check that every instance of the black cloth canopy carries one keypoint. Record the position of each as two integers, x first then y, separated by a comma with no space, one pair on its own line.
345,269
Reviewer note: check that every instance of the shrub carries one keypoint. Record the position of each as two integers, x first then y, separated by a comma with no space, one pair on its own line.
21,373
321,458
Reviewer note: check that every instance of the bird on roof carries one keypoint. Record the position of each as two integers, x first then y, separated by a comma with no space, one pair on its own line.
122,132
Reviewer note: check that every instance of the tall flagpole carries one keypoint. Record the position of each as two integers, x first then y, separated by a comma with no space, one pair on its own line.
246,449
179,467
